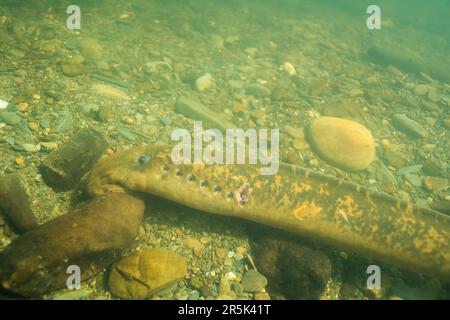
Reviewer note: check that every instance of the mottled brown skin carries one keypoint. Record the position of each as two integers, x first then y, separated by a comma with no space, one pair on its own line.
341,214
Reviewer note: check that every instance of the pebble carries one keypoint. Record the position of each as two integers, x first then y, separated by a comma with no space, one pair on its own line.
409,170
224,286
167,121
434,184
10,118
414,179
289,68
65,121
231,276
194,244
207,291
442,206
394,158
262,296
421,89
253,281
71,70
257,90
196,283
49,145
3,104
410,127
109,91
194,295
31,148
237,288
127,134
204,82
79,294
220,253
238,256
91,49
236,84
144,273
344,143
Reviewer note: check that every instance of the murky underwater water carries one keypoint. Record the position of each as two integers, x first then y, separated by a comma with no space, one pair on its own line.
355,92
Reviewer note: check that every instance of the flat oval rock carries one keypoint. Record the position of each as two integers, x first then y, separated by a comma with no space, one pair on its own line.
343,143
144,273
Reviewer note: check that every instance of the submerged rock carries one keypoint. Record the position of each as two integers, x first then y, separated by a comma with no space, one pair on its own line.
144,273
344,143
14,204
410,127
253,281
92,236
294,270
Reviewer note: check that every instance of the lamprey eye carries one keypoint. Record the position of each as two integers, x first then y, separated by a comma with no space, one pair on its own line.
203,184
178,173
190,178
229,195
216,189
165,168
143,159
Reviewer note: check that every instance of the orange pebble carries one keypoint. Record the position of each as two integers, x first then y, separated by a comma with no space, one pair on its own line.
109,152
20,161
22,106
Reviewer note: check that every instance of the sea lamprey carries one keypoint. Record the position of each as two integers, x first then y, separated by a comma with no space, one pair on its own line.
297,200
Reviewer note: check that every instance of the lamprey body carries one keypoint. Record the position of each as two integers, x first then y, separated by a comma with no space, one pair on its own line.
297,200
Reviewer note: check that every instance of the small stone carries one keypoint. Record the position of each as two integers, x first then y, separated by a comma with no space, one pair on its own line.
196,283
79,294
410,127
344,143
33,125
414,179
262,296
253,281
289,68
204,82
31,148
167,121
49,145
356,92
238,256
71,70
230,276
240,250
207,290
109,91
10,118
3,104
434,96
194,295
442,206
220,253
394,158
144,273
237,288
224,286
421,89
434,184
257,90
194,244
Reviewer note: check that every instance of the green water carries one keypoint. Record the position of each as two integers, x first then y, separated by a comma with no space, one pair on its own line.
253,65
